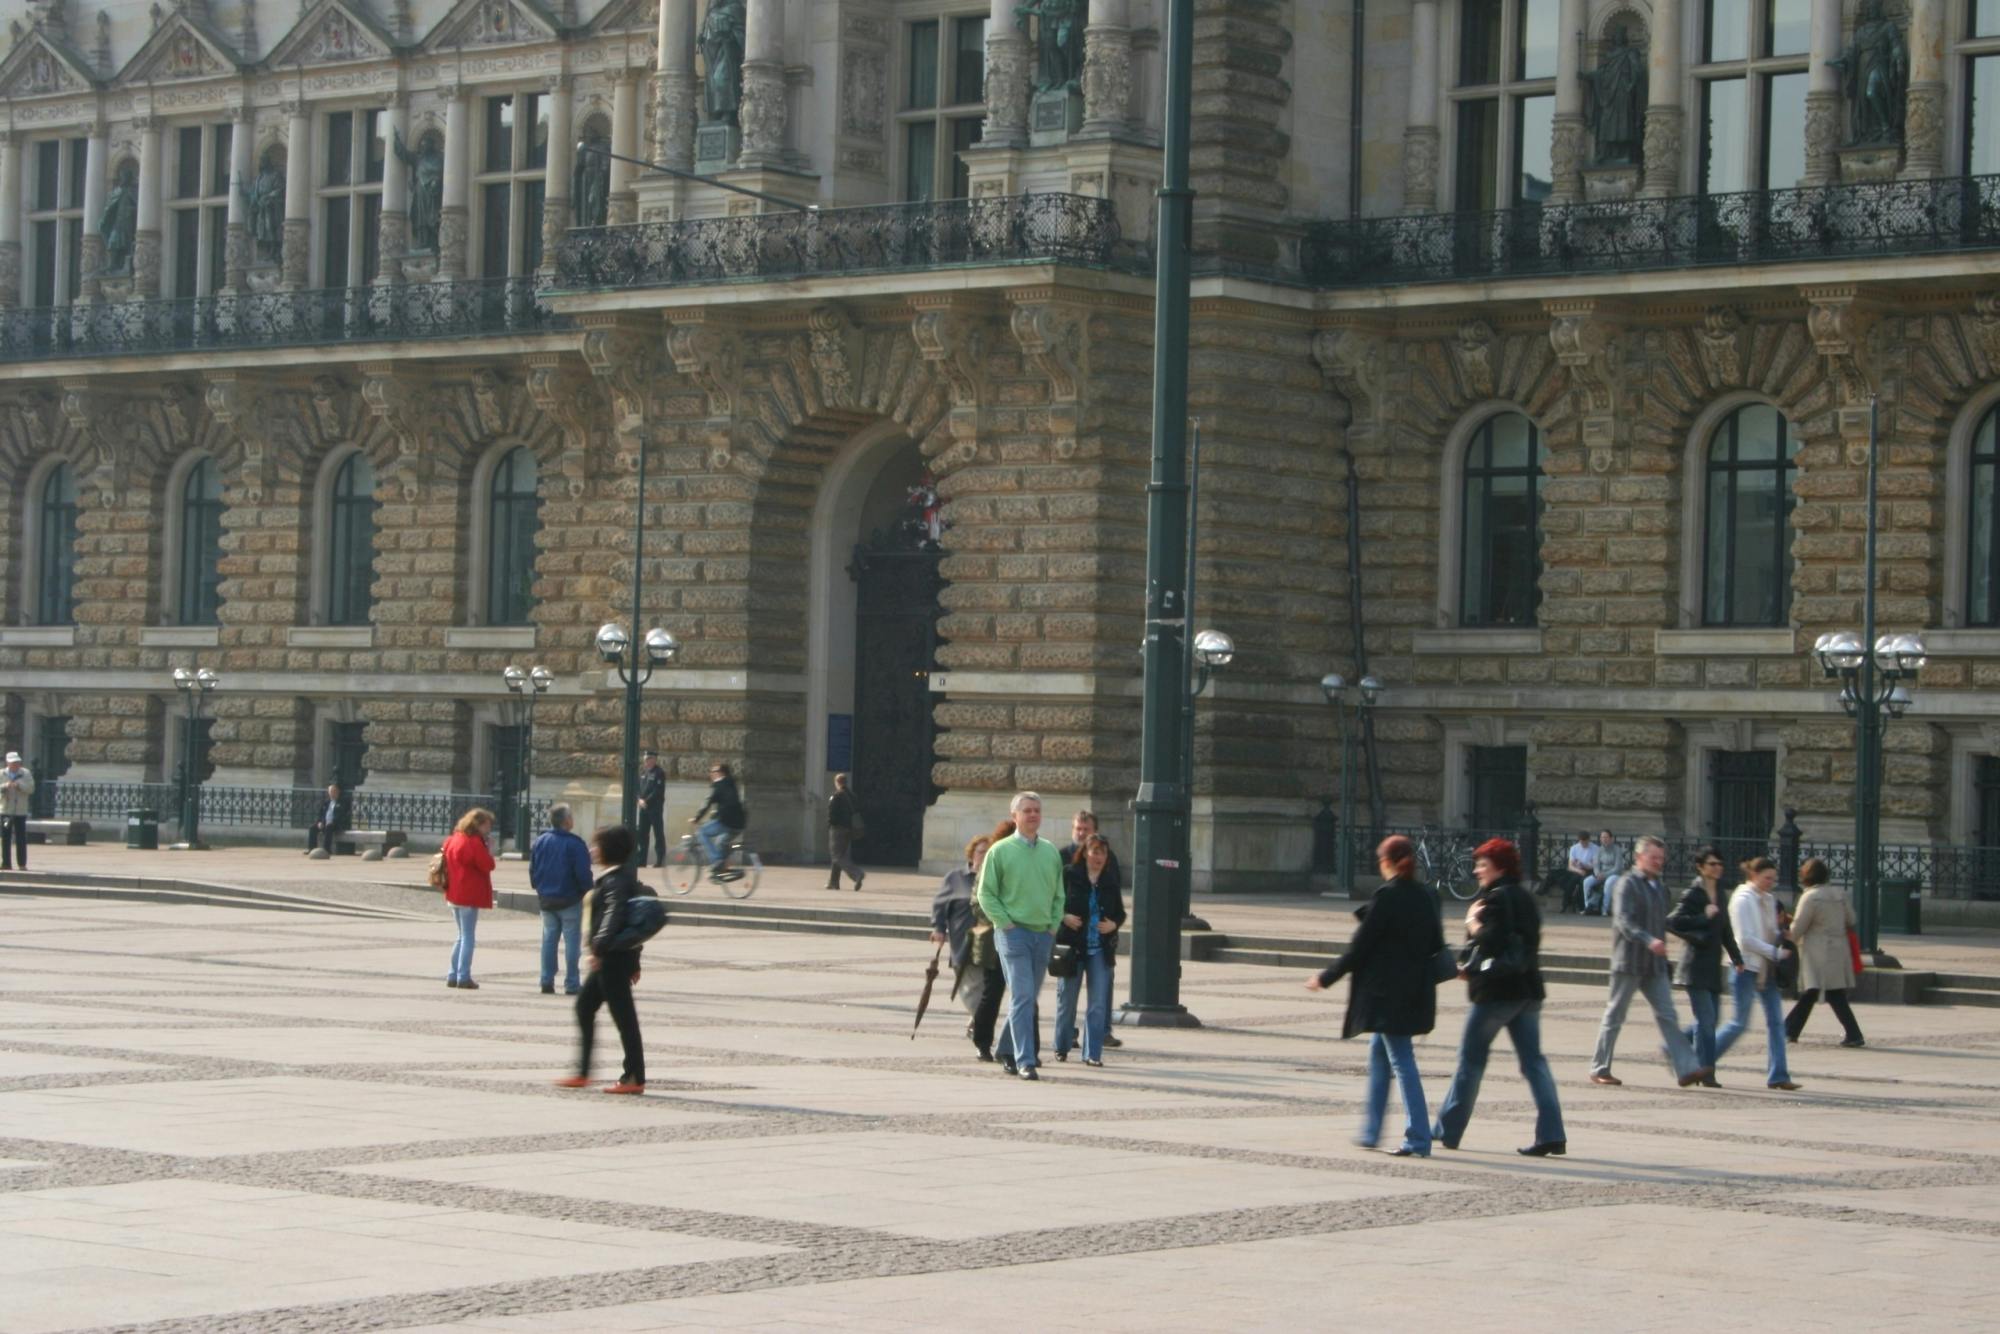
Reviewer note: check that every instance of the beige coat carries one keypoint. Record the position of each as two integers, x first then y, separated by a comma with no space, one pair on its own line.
1819,930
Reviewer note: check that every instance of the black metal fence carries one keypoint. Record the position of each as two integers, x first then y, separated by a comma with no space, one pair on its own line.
1754,227
276,319
432,813
1054,227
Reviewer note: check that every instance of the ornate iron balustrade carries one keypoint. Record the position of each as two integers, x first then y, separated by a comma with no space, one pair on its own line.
1757,227
277,319
109,801
1019,229
276,807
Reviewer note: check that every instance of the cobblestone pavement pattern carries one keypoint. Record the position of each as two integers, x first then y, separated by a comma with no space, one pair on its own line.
217,1119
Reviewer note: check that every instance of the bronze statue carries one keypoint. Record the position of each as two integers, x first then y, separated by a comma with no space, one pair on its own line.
264,202
1058,42
1875,73
722,38
426,166
590,182
1617,101
118,222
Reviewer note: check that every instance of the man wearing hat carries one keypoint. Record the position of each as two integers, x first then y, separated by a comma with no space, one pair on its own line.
653,809
16,786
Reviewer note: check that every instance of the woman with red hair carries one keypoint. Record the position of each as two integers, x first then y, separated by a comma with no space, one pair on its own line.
1392,995
1503,978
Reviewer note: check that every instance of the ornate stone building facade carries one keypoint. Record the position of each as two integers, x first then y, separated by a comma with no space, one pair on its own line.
332,339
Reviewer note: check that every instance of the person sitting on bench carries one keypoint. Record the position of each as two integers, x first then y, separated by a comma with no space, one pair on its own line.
335,818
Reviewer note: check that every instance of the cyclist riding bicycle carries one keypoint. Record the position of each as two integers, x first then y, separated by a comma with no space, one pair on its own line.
729,818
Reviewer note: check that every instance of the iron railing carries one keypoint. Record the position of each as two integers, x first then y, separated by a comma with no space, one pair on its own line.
278,319
277,807
1019,229
1755,227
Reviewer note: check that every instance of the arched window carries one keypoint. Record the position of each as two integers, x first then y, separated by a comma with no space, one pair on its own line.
1746,567
350,567
513,519
201,545
1982,574
1501,558
55,603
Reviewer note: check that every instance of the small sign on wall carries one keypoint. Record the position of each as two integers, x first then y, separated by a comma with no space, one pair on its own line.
839,742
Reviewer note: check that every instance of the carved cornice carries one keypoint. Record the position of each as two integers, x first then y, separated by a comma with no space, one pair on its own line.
409,412
836,355
566,393
1353,356
708,351
1838,320
1589,344
623,357
1724,341
950,332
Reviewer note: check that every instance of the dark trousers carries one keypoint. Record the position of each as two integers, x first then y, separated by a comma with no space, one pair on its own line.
1795,1022
13,841
988,1013
1571,885
321,836
610,984
653,823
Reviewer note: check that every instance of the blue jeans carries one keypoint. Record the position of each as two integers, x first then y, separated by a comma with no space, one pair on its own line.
1096,1017
1385,1050
467,920
1523,1022
1702,1031
567,924
714,836
1745,987
1024,958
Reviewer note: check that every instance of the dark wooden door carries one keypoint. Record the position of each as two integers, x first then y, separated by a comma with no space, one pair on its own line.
895,649
1743,794
51,762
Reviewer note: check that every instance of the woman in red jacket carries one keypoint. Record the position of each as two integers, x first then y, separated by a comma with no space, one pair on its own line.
468,868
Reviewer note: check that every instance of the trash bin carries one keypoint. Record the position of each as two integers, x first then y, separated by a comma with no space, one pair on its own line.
1902,906
142,830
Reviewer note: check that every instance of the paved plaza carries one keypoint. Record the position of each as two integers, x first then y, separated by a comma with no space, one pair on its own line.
232,1119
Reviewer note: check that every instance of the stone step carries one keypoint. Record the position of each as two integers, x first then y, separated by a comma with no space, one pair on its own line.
1965,982
140,889
1983,996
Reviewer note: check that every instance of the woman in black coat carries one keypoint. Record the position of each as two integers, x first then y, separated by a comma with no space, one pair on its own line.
1503,979
1392,995
1093,910
1701,920
614,968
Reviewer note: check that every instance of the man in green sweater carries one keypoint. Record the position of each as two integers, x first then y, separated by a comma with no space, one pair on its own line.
1021,893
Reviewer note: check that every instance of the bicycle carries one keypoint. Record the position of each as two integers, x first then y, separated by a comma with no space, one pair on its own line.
738,875
1446,864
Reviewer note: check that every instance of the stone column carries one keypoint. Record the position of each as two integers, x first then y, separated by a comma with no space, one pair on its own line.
1006,79
10,220
297,254
1107,68
395,231
761,116
451,214
146,237
1923,115
620,206
96,163
1420,135
236,239
1566,140
555,178
1823,95
673,128
1664,121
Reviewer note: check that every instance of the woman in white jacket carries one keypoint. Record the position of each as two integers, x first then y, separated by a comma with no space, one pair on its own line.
1753,915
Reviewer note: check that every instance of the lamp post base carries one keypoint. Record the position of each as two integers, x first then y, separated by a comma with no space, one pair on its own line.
1155,1016
196,846
1881,958
1189,922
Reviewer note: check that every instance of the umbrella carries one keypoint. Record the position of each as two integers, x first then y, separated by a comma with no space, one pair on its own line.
924,1001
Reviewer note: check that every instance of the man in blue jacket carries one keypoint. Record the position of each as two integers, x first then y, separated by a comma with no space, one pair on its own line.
559,870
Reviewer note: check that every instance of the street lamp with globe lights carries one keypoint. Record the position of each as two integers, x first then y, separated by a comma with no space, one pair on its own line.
526,687
1209,651
193,685
1361,696
635,664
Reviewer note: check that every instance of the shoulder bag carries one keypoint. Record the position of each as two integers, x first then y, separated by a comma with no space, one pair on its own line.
1062,963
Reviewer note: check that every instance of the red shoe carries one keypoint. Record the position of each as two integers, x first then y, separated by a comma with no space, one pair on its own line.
623,1087
573,1082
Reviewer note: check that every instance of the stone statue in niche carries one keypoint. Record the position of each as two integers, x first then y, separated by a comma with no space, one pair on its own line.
723,34
590,182
1875,74
118,222
426,164
1616,92
264,201
1058,43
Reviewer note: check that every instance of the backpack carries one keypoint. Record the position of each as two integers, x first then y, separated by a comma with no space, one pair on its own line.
644,917
440,874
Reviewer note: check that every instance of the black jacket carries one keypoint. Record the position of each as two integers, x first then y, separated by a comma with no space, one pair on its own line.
653,788
616,889
1110,865
1390,960
725,802
840,811
343,813
1076,903
1706,938
1510,910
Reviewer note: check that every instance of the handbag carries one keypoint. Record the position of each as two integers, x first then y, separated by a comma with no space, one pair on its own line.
1063,962
440,874
1508,961
1854,950
1444,965
857,828
645,915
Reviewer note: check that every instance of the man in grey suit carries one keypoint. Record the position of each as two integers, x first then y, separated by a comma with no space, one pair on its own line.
1639,964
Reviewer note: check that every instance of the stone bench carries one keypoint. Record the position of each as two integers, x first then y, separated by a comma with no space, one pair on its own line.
379,843
65,833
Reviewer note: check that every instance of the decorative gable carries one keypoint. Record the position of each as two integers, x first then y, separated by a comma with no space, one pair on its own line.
40,67
331,33
493,23
181,48
620,15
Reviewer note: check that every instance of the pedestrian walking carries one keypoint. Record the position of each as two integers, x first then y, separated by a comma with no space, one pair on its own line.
336,817
957,921
1639,967
614,971
1021,893
468,867
1093,910
1081,826
653,809
725,818
16,786
1702,922
1753,915
843,826
1820,929
1393,995
1503,980
559,872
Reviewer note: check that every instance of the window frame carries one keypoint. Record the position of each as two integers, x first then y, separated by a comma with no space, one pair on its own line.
342,551
209,205
65,219
1480,437
55,533
1787,469
495,604
524,179
197,523
1755,68
1967,49
360,196
1508,93
1986,423
951,111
